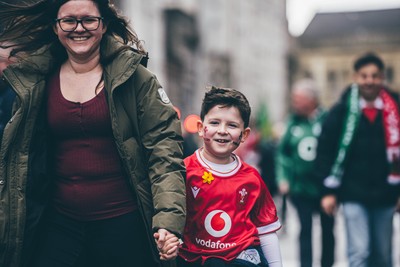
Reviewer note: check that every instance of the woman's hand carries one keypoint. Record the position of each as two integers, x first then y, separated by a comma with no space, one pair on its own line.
167,244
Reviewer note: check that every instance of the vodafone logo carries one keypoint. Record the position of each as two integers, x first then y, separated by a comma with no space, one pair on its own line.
218,223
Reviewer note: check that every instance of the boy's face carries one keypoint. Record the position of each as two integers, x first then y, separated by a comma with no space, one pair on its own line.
369,79
222,131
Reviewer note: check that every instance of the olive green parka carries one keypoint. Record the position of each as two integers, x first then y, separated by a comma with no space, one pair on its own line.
146,130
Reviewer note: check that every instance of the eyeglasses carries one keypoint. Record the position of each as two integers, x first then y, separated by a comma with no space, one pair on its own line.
70,24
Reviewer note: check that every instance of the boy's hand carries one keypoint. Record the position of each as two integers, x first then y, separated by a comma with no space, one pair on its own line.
167,244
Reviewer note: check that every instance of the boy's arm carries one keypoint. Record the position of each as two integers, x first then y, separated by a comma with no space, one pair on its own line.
270,247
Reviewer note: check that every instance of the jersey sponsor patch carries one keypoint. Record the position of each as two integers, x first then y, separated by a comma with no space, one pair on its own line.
297,131
307,148
195,191
218,223
317,128
250,255
214,244
163,96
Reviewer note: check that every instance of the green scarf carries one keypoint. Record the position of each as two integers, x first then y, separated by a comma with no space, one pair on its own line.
350,123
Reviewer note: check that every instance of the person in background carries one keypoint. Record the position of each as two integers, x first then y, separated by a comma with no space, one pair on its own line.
92,172
189,143
295,170
358,160
267,151
268,148
7,95
248,151
231,217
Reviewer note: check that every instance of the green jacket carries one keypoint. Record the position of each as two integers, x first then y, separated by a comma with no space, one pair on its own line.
296,154
147,134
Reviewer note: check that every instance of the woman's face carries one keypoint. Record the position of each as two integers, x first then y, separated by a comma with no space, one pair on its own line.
4,59
81,44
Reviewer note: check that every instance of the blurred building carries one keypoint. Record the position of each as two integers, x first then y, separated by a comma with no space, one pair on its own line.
332,41
227,43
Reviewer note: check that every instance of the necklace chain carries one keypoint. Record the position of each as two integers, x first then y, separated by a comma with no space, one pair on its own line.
204,160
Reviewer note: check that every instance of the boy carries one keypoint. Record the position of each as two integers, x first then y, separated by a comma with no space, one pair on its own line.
231,217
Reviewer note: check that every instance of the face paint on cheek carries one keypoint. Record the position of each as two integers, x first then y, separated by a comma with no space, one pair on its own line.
237,143
205,138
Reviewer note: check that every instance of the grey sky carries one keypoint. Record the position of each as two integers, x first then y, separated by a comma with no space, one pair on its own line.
300,12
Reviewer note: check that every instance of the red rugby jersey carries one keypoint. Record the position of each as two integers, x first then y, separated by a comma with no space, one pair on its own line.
225,216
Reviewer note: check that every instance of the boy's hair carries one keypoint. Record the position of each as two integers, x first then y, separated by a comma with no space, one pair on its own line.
369,58
226,97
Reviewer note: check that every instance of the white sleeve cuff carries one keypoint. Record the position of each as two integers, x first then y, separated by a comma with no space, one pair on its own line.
270,247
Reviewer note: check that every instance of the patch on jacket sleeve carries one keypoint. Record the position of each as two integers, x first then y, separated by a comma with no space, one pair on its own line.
163,96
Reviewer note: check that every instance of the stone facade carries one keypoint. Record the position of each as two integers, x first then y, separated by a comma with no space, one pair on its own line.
227,43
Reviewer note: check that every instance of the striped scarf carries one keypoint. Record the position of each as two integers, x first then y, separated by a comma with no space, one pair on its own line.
391,124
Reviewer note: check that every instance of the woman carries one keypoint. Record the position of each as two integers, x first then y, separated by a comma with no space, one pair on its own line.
91,161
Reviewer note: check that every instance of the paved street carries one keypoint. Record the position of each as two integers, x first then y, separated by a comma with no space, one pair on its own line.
289,243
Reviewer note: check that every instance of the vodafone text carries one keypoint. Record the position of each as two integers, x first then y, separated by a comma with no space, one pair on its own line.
212,244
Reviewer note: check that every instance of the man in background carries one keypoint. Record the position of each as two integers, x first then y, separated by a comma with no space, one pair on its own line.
295,170
358,160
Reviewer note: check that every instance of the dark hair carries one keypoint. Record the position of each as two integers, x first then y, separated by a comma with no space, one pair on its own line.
30,26
369,58
226,97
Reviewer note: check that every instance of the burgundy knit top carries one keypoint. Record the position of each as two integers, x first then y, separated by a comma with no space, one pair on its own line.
90,183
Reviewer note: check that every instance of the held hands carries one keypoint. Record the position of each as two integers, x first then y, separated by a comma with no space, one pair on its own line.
329,205
167,244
